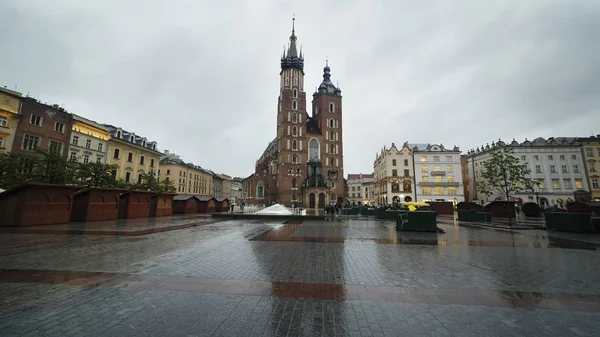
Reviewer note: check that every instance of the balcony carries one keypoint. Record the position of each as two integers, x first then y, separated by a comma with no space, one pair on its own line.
438,173
439,184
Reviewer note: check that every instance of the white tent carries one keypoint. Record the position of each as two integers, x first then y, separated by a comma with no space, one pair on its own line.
277,209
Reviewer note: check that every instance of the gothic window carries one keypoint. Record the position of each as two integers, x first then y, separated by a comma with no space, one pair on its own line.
293,182
314,150
331,137
294,145
331,123
294,117
260,192
297,171
332,161
294,105
295,93
331,107
290,171
294,131
332,149
294,159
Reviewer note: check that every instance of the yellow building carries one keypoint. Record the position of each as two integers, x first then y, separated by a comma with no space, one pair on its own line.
187,178
131,154
591,157
10,107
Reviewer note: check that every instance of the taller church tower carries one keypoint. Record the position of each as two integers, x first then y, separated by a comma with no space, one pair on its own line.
291,120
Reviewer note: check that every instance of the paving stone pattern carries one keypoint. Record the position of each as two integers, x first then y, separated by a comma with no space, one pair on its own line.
463,260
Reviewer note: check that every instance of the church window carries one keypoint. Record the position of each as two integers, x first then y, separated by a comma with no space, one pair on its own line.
294,145
294,105
297,171
314,151
332,149
331,107
331,123
295,93
294,117
293,182
294,159
331,136
294,131
332,162
260,192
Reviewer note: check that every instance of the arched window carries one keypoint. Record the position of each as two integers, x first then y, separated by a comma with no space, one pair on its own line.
294,131
294,105
331,149
293,182
331,136
331,123
294,145
119,134
295,93
297,171
294,117
144,142
314,150
332,162
260,192
131,139
294,159
331,107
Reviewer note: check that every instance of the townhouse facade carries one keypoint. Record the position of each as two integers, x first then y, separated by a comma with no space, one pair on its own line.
10,114
360,188
557,162
89,141
590,149
438,173
131,154
394,176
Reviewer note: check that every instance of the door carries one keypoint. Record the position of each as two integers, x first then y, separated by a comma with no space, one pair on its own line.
311,200
321,200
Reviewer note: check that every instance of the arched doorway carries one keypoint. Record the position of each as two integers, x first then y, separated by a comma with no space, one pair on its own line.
321,200
407,198
311,200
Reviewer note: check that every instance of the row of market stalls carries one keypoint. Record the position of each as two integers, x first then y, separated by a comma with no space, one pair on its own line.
43,204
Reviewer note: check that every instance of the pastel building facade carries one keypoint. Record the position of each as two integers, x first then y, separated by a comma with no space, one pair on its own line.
131,154
89,141
438,173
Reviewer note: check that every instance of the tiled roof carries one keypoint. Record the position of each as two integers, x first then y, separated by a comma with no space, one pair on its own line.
126,135
538,142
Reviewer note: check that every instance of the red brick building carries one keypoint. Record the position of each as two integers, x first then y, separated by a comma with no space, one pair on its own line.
464,166
41,126
304,164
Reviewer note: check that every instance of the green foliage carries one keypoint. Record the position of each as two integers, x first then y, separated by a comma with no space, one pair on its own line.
166,186
9,171
95,174
504,174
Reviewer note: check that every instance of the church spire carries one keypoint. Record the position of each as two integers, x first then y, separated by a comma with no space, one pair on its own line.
292,58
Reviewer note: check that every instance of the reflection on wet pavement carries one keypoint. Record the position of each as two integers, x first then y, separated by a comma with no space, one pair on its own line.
336,277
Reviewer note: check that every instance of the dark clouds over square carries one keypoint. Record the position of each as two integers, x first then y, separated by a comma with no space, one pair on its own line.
201,77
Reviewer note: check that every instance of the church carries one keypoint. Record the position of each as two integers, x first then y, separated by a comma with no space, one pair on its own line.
304,165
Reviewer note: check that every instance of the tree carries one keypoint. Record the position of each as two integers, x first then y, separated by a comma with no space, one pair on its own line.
95,174
54,168
166,186
504,174
9,171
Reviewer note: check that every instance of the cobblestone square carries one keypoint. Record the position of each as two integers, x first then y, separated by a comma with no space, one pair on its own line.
340,277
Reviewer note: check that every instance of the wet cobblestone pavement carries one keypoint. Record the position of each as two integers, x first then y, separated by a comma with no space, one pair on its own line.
341,277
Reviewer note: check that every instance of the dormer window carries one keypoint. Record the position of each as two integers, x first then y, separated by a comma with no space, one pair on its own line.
144,142
119,134
154,147
131,138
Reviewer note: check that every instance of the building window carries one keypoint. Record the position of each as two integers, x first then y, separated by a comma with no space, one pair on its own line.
127,176
331,123
294,159
594,182
3,121
567,183
450,180
576,168
393,162
550,157
331,107
450,168
424,169
260,192
294,117
562,157
35,120
144,143
86,158
98,160
100,145
60,127
30,143
293,182
438,190
437,168
116,155
423,158
132,139
75,140
589,152
88,143
130,157
425,179
294,145
555,183
523,157
538,169
141,160
294,131
592,166
426,190
1,142
151,162
295,93
406,173
552,169
451,190
536,157
564,169
294,105
394,173
314,151
574,157
578,183
73,156
448,158
436,158
55,146
437,179
405,162
395,188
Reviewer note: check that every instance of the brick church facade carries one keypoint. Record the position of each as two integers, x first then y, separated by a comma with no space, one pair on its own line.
303,165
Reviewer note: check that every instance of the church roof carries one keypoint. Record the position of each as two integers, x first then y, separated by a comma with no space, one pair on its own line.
326,87
291,58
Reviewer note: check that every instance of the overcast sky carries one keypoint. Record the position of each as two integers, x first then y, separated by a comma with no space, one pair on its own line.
201,77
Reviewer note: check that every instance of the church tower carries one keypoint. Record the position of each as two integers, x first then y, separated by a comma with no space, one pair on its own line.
291,121
327,112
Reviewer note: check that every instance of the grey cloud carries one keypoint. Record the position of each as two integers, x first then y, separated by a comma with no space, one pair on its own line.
201,78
